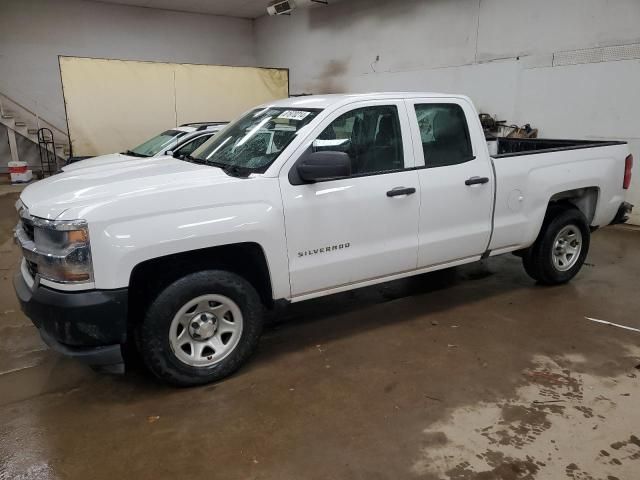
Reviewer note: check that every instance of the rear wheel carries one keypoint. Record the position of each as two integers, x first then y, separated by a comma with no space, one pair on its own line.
201,328
561,247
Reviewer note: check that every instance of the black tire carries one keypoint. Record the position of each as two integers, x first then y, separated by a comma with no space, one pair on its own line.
153,332
538,259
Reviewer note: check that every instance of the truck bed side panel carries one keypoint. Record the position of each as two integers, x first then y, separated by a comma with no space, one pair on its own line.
526,183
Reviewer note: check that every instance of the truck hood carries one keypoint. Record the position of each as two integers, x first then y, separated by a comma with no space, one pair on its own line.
100,160
75,194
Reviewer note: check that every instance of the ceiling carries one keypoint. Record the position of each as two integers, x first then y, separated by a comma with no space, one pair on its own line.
231,8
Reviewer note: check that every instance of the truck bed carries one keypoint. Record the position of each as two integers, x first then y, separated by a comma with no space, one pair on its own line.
511,147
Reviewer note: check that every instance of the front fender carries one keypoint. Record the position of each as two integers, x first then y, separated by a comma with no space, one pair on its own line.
119,244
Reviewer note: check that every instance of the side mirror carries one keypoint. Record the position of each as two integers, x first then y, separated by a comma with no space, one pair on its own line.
317,166
169,152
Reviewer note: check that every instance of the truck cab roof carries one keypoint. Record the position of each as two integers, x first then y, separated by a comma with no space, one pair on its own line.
335,100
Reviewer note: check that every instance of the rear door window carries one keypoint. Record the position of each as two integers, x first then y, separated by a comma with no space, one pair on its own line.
444,134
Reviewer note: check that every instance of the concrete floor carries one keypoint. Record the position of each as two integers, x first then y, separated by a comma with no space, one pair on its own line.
469,373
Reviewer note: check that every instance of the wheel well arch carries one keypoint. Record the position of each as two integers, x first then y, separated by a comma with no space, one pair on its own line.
246,259
584,199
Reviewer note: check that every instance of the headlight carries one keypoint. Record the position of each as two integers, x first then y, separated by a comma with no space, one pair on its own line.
56,250
66,251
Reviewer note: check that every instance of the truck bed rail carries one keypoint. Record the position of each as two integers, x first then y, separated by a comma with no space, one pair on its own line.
511,147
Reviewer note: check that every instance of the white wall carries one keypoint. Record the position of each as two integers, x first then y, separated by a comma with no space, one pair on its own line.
499,52
34,32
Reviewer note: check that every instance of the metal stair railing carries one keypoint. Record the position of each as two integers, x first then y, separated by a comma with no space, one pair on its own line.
46,148
39,120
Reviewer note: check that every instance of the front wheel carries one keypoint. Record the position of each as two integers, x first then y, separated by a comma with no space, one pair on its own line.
201,328
561,248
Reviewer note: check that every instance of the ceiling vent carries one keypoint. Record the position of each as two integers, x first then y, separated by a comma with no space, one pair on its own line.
285,7
282,7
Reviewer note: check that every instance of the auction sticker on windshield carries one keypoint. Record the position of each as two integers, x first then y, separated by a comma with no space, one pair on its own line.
293,114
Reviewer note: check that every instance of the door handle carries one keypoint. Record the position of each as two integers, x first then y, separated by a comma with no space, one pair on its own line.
476,181
396,192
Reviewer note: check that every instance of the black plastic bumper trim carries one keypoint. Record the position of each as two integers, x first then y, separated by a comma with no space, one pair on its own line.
623,213
104,356
93,318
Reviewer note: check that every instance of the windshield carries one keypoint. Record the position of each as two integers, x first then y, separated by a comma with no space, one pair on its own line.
252,143
156,144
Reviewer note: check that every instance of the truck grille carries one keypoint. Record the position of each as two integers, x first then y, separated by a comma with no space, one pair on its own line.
24,234
32,268
27,227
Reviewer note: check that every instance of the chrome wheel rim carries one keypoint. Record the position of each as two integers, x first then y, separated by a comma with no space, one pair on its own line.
205,330
566,248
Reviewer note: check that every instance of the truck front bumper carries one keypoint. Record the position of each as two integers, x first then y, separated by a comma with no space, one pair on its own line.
623,213
88,325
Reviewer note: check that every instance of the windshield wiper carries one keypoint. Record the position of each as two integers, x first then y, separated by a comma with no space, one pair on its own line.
191,159
131,153
231,170
236,171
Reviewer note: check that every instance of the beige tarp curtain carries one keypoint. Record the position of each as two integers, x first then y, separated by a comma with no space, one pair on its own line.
114,105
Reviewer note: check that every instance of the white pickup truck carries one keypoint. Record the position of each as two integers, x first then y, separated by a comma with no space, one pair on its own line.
186,137
297,199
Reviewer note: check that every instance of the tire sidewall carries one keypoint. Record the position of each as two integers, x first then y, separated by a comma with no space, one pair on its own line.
154,332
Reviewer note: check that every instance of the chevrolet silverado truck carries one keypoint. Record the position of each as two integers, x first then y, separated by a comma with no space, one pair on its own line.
297,199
